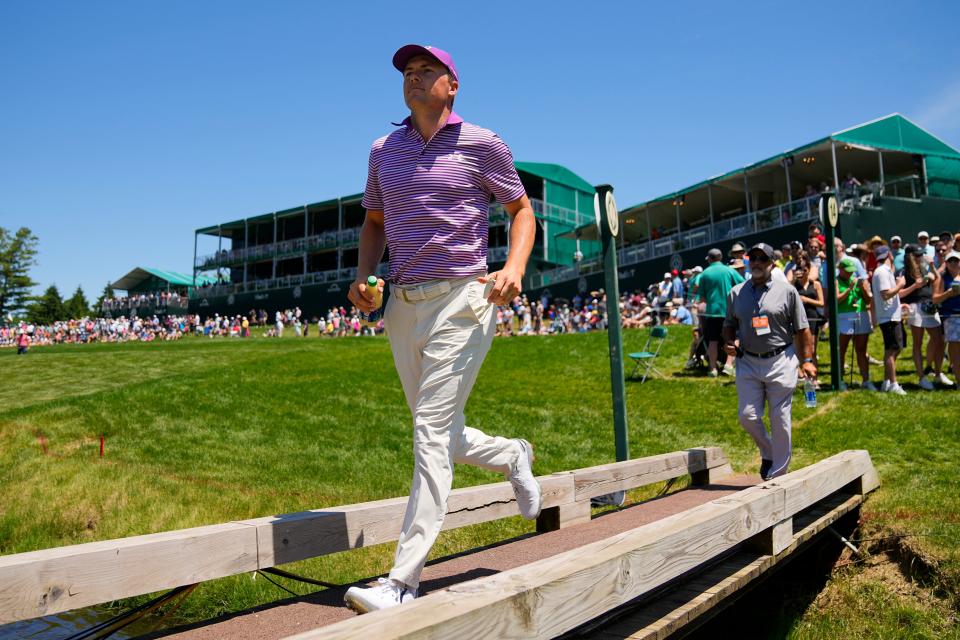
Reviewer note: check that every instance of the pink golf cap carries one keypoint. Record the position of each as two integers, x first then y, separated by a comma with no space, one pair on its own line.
407,51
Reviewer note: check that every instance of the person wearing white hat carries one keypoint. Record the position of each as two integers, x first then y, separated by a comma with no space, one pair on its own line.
923,239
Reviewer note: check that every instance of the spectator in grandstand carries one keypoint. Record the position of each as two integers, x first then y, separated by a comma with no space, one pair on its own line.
886,315
679,314
946,293
853,319
713,287
920,278
664,295
739,266
956,242
811,295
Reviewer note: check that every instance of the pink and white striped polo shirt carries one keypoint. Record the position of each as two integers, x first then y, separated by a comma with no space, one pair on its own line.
434,197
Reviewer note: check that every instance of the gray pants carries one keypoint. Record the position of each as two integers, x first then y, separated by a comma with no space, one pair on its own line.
770,381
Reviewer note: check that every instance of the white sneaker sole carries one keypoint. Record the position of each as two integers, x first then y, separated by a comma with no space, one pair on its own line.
356,603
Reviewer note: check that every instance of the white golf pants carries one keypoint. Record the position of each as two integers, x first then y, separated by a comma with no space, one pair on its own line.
440,332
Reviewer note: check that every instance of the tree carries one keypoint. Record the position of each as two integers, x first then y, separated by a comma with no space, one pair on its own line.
47,308
77,306
17,254
108,294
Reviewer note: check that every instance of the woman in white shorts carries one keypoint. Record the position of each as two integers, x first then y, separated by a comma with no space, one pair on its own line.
920,278
853,319
946,293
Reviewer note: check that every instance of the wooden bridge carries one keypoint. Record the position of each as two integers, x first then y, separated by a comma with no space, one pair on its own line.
670,560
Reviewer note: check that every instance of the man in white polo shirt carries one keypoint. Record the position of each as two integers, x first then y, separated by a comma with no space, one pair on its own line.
887,316
428,189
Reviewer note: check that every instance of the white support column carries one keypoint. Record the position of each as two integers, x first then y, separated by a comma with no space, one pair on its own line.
649,237
219,249
880,159
306,234
746,191
786,169
273,273
246,249
195,259
710,204
339,231
926,187
546,240
676,206
836,173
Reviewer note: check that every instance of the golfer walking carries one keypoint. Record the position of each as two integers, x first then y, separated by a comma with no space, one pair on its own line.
765,317
428,189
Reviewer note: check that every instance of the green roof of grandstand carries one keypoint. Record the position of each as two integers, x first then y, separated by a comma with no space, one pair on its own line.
889,133
555,173
138,275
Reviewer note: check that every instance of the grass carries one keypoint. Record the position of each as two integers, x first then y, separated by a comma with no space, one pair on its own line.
206,431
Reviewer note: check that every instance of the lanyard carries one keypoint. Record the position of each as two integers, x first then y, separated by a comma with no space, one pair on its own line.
758,300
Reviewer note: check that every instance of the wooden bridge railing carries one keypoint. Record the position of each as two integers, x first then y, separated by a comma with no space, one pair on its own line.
50,581
547,598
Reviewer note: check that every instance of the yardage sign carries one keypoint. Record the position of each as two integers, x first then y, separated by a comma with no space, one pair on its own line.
832,214
613,218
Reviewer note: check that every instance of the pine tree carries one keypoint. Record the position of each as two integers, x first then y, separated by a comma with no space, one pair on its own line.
17,254
47,308
77,306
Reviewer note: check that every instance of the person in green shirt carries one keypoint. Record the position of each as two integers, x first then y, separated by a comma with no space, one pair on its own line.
853,318
713,287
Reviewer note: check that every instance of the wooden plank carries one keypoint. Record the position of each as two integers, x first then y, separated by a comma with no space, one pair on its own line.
713,475
40,583
552,596
630,474
775,539
658,620
308,534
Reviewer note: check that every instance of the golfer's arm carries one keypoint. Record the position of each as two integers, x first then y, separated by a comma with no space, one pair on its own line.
523,232
373,240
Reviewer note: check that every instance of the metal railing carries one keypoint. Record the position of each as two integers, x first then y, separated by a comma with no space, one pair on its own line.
281,282
348,238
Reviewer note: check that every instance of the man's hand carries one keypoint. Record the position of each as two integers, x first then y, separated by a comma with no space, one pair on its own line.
809,370
362,297
507,285
731,348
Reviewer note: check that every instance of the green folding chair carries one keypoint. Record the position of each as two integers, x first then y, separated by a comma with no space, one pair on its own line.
647,357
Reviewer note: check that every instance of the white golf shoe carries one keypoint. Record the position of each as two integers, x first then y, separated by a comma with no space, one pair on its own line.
525,485
384,595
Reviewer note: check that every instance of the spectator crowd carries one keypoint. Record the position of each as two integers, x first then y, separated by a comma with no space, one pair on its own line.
903,291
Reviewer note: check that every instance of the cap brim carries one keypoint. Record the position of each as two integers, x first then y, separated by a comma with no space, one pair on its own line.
407,51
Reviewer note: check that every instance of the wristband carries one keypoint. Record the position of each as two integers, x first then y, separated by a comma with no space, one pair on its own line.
806,360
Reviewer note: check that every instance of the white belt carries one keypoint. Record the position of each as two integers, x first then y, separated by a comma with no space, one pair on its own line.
428,290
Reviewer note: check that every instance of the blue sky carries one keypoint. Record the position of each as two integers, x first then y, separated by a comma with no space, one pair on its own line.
124,126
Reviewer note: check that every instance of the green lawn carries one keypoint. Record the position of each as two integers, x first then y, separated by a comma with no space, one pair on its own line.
205,431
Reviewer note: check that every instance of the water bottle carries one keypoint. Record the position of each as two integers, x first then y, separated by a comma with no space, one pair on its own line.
371,319
809,393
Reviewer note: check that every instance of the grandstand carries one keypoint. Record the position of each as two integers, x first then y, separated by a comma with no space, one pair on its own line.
909,180
306,256
148,291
